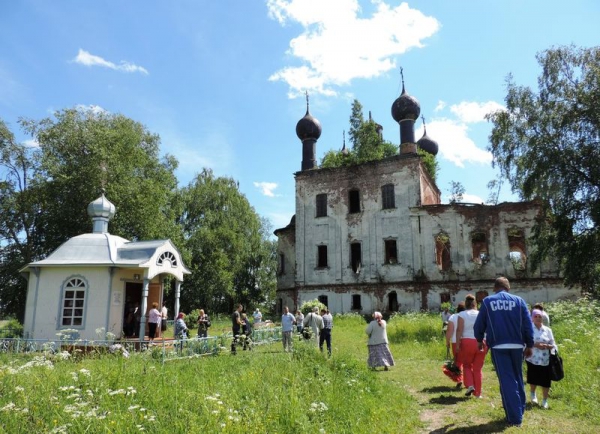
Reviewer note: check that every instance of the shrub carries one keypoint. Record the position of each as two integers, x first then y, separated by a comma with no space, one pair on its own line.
309,305
12,329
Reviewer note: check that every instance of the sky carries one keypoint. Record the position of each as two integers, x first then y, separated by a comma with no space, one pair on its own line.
223,82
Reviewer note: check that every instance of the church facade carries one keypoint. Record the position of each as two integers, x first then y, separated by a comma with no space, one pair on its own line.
376,236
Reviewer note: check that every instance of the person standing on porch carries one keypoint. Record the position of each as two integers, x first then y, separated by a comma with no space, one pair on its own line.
164,313
154,320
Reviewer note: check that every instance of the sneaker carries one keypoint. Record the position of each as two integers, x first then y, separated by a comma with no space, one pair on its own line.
545,404
534,399
470,391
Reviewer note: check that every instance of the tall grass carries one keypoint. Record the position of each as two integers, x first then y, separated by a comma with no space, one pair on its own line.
269,391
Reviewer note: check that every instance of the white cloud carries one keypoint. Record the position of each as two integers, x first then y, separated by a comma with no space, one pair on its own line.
31,143
266,188
95,109
441,105
87,59
472,198
455,144
472,112
337,46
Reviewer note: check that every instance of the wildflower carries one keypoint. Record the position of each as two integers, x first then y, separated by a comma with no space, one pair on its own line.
85,372
19,389
8,407
133,407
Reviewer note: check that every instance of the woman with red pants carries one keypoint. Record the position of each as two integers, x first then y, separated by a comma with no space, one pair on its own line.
468,351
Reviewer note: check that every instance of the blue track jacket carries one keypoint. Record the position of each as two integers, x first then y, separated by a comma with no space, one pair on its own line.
504,319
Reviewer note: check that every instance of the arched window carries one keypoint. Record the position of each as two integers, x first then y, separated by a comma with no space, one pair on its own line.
516,246
167,256
73,303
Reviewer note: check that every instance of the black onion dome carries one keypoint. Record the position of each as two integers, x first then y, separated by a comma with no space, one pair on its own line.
308,127
405,107
427,144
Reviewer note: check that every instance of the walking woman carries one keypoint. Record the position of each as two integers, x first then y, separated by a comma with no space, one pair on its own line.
379,351
468,351
538,365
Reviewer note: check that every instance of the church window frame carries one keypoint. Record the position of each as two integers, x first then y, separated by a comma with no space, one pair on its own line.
354,201
388,198
321,205
73,303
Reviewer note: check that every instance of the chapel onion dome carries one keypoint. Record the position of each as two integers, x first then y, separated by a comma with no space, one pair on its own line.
405,107
102,208
427,144
308,127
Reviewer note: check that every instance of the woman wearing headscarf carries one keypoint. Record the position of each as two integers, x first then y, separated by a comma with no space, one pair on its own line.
379,351
538,365
468,350
181,330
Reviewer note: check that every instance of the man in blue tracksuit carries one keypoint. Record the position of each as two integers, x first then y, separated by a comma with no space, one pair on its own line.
505,321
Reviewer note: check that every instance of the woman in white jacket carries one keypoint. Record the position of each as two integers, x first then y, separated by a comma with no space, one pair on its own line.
379,351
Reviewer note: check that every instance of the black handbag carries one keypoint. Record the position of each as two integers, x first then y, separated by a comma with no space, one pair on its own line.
557,372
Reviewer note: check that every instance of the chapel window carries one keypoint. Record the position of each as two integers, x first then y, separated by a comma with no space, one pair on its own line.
516,247
73,303
391,252
355,257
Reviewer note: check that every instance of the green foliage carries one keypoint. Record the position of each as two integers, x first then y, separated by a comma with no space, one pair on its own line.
546,143
232,258
367,143
457,191
44,191
430,162
11,329
309,305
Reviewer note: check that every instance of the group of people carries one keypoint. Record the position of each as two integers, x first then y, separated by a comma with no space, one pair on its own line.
157,320
321,327
504,326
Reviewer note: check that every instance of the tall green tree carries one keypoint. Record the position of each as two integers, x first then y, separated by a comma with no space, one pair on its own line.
547,144
232,258
45,190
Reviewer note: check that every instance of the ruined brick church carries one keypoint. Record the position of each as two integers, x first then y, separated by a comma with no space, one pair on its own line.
376,236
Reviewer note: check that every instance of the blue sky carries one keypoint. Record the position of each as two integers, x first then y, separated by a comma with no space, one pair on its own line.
222,82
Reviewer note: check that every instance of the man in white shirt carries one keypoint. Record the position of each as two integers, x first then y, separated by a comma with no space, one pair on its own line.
287,326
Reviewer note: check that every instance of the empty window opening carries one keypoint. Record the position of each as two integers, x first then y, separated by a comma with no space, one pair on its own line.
356,302
322,256
281,263
442,252
391,252
321,205
354,199
323,299
355,257
516,246
479,246
387,196
393,301
444,298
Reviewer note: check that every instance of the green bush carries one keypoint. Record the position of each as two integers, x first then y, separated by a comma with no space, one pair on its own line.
12,329
309,305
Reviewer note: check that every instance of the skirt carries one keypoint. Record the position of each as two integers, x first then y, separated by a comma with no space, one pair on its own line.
379,355
538,375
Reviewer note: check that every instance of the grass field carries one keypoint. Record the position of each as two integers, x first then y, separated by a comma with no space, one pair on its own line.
269,391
